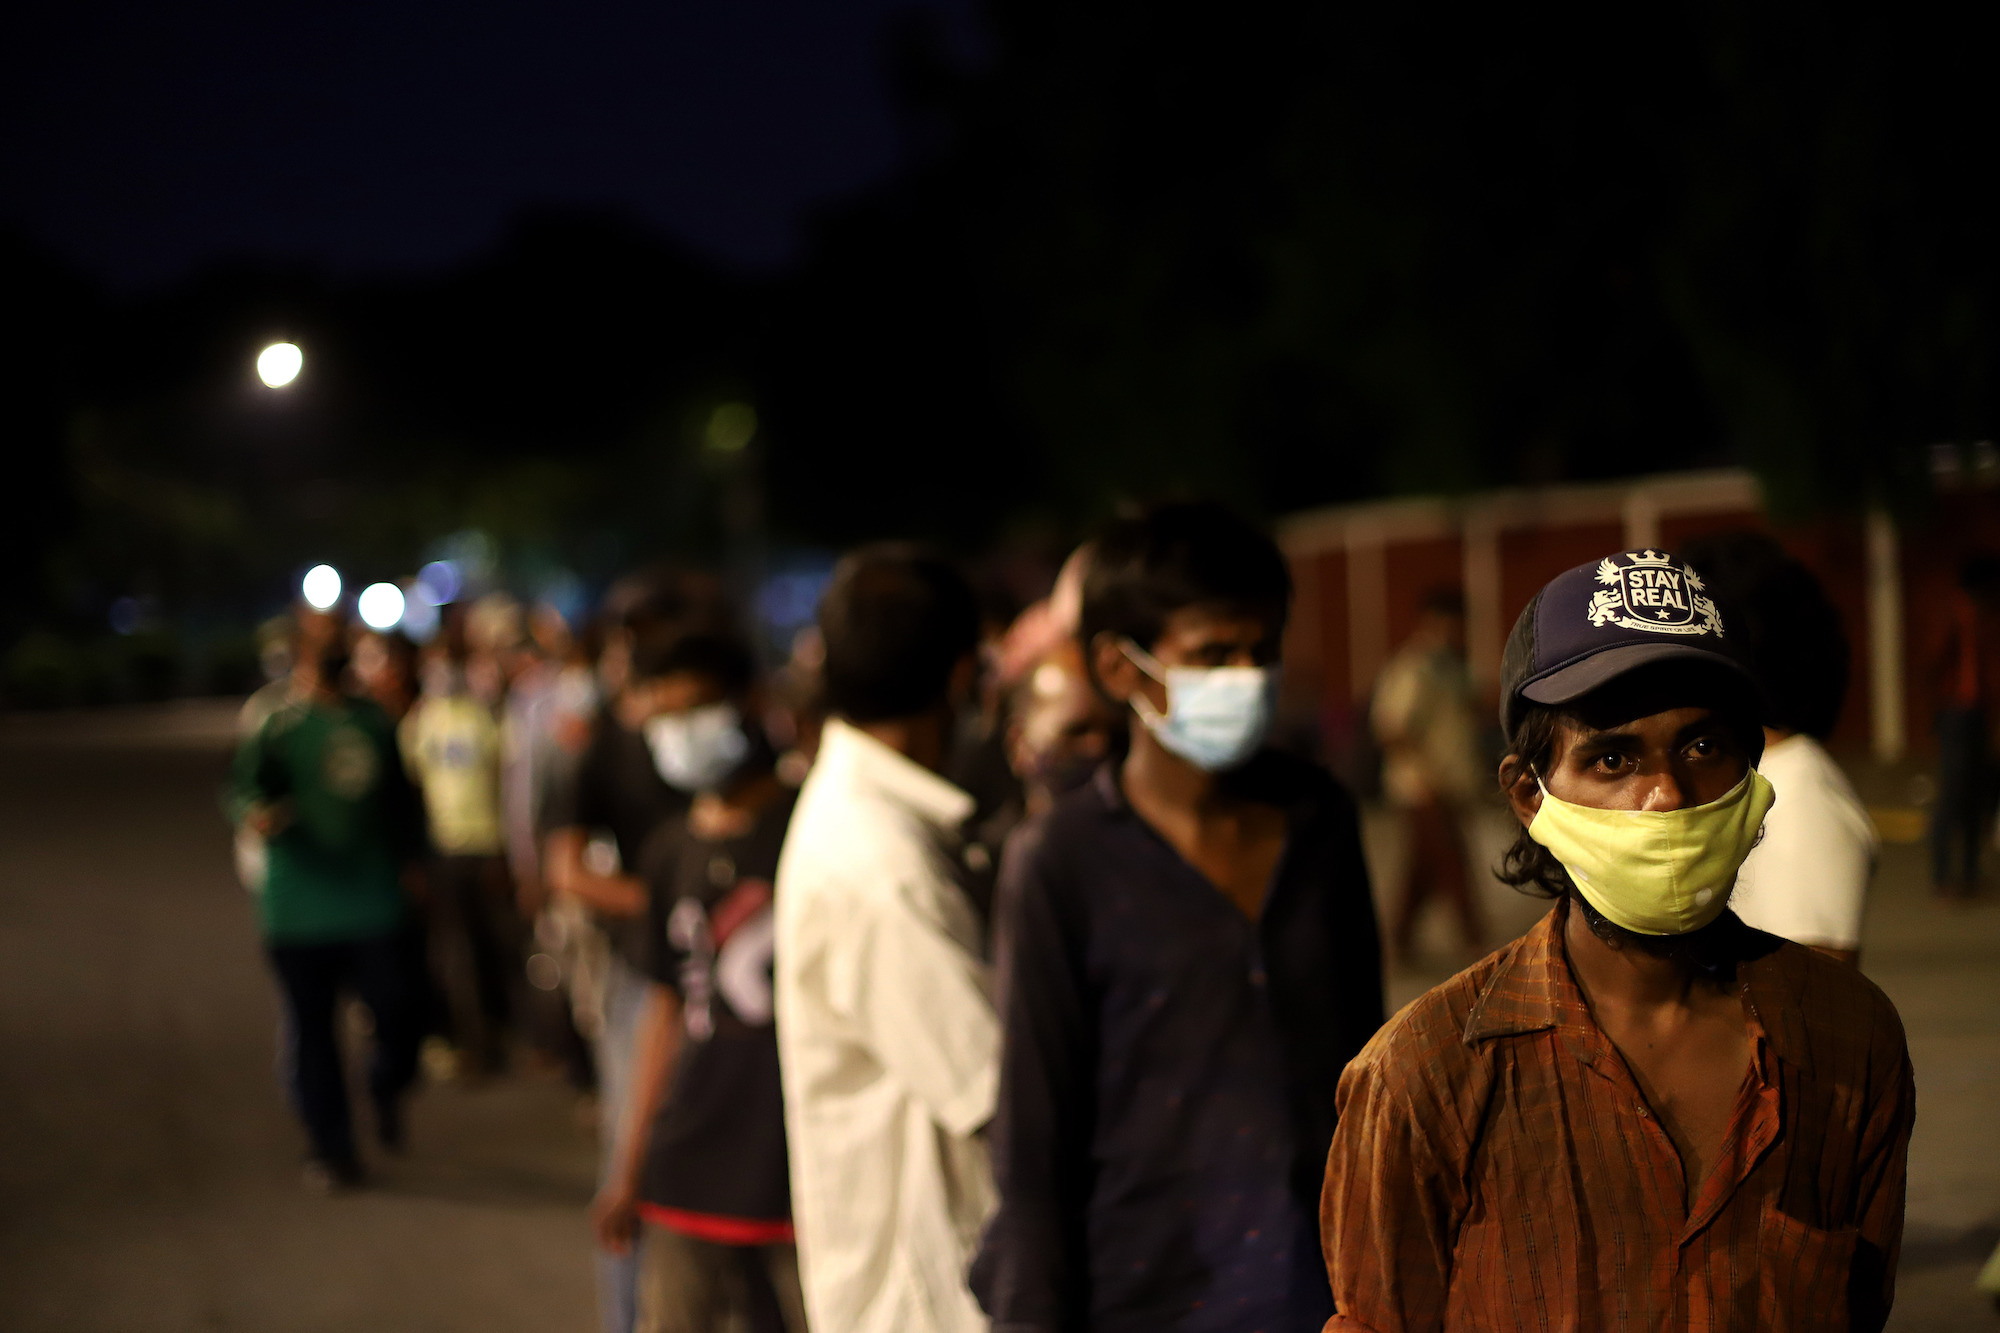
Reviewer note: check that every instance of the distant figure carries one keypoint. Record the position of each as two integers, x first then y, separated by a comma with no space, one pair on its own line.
599,826
451,746
321,781
1808,878
1059,728
1427,726
282,642
1966,684
704,1167
385,666
886,1034
1187,959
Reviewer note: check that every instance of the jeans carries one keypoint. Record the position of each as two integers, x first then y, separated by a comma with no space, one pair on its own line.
624,998
312,978
698,1286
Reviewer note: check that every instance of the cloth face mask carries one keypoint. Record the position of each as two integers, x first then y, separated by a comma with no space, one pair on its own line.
699,749
1216,716
1657,872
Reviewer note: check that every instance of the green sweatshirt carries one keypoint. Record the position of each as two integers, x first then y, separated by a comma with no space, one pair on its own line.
350,820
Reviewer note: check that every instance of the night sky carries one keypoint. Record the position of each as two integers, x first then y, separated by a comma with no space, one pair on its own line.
141,141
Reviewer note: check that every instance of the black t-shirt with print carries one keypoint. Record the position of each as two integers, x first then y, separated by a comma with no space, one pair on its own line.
617,790
718,1146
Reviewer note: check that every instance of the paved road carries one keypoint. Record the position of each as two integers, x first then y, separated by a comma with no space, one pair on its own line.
148,1169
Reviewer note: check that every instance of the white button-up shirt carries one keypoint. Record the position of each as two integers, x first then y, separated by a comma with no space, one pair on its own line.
888,1042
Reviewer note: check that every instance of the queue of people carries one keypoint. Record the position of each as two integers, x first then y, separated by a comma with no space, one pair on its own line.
884,1044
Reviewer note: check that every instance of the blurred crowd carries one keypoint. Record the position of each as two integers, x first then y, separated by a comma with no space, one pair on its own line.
488,831
806,936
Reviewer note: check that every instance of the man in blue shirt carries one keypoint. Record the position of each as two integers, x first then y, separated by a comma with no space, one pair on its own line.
1188,957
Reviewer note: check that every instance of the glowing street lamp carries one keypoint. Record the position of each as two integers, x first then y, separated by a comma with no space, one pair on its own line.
280,364
380,605
320,587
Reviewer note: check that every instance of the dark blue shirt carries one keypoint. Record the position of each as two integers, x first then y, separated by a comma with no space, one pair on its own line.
1168,1074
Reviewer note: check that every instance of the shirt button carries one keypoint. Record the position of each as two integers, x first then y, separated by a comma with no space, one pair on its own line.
1643,1112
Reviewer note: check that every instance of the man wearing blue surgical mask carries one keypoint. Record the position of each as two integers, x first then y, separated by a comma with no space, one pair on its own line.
703,1166
1187,957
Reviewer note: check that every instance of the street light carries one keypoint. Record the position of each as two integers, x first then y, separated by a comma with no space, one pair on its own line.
320,587
279,364
380,605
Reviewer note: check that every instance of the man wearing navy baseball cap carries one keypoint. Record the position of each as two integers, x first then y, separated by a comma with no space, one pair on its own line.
1642,1113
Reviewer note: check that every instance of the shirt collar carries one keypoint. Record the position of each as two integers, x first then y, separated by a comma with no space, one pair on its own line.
894,775
1534,990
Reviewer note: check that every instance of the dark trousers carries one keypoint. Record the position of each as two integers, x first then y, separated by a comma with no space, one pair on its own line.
313,977
475,952
1437,869
1960,814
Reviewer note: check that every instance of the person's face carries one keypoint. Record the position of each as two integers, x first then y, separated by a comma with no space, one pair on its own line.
677,692
371,661
1063,728
1194,636
1668,760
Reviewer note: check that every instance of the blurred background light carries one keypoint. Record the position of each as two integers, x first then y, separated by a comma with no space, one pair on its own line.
730,427
380,605
420,617
127,615
320,587
438,583
279,364
790,600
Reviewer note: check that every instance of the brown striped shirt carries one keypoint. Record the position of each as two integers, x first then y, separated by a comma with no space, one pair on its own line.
1497,1168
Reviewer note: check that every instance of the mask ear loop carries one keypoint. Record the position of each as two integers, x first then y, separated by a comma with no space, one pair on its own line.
1152,666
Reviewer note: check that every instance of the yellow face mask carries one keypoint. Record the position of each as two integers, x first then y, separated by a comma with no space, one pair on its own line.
1657,872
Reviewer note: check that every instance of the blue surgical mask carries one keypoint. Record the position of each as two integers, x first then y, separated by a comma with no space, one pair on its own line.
1216,717
700,749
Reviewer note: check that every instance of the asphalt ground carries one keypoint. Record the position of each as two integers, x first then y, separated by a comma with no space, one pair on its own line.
149,1169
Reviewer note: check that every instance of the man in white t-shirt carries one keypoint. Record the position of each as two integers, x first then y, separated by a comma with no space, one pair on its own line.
1808,878
887,1039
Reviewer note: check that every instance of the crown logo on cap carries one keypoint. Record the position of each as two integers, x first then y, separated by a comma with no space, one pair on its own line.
1653,594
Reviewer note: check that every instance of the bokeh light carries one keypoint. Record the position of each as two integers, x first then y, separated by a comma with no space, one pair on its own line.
420,618
438,583
730,427
279,364
380,605
320,587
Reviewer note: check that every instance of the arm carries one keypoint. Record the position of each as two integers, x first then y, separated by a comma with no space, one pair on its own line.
613,895
582,805
1389,1211
257,791
1030,1273
657,1047
918,990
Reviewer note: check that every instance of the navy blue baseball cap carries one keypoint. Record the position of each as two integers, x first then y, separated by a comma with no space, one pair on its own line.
1596,622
